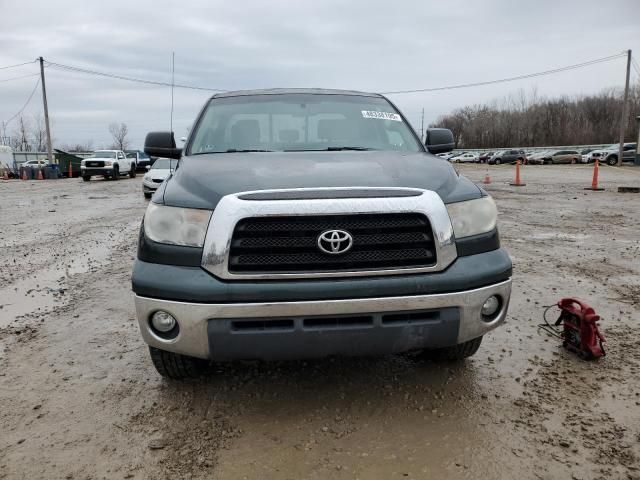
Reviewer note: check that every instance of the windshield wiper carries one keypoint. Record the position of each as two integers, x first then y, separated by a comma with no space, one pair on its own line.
235,150
332,149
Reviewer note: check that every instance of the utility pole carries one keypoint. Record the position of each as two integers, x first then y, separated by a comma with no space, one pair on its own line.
422,126
46,113
623,120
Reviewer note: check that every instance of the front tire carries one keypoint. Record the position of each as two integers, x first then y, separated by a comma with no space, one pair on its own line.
175,366
147,195
612,161
132,172
86,178
498,161
116,173
453,353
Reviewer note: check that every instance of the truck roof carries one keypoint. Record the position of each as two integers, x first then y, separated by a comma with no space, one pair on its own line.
283,91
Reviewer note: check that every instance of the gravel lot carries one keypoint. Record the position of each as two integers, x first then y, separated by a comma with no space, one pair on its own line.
80,399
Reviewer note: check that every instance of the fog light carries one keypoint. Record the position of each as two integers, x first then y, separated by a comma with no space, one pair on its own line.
490,306
163,321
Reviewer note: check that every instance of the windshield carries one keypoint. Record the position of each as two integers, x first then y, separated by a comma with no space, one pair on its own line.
301,122
164,164
104,154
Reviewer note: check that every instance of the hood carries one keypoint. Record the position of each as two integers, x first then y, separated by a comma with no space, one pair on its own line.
202,180
158,173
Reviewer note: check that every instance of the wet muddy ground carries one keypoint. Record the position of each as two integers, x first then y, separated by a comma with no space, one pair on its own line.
80,399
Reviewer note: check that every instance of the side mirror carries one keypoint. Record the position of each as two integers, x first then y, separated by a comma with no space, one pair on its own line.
161,144
148,167
439,140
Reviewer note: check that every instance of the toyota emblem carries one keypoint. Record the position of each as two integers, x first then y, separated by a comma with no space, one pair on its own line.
335,242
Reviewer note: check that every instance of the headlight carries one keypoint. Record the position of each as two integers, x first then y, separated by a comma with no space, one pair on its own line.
473,217
108,163
176,226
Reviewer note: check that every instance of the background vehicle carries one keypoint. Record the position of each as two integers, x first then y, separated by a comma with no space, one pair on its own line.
446,156
157,173
484,157
561,156
281,191
467,157
508,156
142,159
537,157
35,163
107,163
610,155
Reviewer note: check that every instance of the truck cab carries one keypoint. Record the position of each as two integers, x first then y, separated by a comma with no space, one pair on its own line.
108,164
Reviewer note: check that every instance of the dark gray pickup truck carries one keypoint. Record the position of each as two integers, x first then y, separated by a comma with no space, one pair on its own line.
309,223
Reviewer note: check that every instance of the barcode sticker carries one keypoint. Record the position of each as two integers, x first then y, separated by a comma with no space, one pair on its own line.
381,115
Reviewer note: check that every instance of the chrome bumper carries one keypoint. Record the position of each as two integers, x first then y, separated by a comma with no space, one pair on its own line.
193,318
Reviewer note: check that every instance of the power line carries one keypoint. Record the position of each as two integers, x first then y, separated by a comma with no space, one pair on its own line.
26,103
635,66
18,78
509,79
17,65
128,79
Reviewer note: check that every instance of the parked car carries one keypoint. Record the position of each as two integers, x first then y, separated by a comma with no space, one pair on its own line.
484,157
537,158
446,156
35,163
561,156
142,159
610,155
288,245
157,173
592,156
508,156
108,164
467,157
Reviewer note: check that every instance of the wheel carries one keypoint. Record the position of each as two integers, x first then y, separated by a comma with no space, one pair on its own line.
612,160
453,353
132,172
86,178
116,173
176,366
498,161
147,195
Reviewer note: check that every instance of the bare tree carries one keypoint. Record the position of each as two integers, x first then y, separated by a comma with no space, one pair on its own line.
119,134
39,133
86,146
20,139
523,120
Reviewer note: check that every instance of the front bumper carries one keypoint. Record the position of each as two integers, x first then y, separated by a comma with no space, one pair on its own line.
317,328
96,171
149,187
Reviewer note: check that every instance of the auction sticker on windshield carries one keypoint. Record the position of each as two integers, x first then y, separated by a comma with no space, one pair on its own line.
381,115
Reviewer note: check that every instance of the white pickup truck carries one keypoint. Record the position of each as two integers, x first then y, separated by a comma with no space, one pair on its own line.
109,164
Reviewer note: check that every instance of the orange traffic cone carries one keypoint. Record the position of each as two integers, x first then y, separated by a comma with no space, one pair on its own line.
24,174
40,176
594,180
5,176
70,170
517,182
487,179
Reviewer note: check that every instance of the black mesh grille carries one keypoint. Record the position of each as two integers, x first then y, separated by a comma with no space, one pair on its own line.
289,244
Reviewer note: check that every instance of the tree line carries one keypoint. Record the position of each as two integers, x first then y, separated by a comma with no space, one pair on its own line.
528,120
29,134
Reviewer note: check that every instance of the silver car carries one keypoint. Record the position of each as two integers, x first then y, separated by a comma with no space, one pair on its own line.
156,174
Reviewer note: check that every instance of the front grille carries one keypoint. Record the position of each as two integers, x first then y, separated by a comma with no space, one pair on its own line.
95,163
287,244
158,180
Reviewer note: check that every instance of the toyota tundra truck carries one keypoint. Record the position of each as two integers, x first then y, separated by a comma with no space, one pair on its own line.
304,223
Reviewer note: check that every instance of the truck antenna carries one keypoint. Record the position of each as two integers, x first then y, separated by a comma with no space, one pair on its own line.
173,70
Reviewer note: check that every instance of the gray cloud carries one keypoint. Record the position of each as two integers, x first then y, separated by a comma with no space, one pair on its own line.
365,45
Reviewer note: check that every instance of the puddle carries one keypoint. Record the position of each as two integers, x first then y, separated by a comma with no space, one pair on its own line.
46,288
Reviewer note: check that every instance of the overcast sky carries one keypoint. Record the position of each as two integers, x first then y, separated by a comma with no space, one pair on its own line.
364,45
